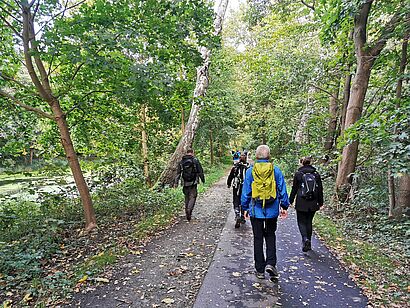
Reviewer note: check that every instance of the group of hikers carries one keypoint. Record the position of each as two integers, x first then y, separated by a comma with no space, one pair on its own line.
259,194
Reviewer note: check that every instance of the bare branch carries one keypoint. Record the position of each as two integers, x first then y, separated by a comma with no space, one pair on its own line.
312,6
35,11
17,102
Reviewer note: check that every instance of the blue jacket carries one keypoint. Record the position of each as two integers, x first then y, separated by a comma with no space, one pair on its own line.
254,207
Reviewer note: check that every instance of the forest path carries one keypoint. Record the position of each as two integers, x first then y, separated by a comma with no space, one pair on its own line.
208,263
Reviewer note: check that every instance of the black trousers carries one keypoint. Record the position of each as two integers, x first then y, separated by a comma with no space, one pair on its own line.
264,229
237,192
305,224
190,193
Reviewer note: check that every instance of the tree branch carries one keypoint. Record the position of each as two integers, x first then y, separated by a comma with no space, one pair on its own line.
387,33
60,13
11,27
327,92
82,99
312,6
360,26
10,14
27,107
8,78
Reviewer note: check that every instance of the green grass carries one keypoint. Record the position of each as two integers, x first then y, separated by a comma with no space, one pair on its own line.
385,275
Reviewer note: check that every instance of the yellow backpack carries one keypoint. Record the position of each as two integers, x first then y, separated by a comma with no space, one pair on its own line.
264,184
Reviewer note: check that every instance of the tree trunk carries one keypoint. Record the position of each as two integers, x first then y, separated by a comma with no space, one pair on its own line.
31,155
168,175
43,87
90,220
354,111
211,143
346,97
144,144
182,120
365,56
392,193
331,128
402,203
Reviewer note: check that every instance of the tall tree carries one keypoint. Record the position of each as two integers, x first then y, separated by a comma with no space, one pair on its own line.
202,81
366,54
37,70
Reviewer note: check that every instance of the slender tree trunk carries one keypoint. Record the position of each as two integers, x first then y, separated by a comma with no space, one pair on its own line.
392,193
31,155
346,97
331,128
211,143
182,120
43,87
144,143
402,203
168,175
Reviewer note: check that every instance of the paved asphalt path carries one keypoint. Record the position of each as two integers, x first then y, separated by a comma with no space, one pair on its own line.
313,279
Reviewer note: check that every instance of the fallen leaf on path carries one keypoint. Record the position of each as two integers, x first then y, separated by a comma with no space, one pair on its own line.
85,277
27,297
99,279
236,274
168,300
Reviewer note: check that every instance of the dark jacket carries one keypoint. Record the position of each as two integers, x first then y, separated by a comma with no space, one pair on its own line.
238,169
302,204
198,168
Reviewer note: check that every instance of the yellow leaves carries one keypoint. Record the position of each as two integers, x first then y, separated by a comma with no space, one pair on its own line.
99,279
83,279
408,289
135,271
7,304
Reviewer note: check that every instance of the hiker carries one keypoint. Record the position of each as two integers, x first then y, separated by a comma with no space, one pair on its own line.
235,179
264,196
308,190
236,155
191,171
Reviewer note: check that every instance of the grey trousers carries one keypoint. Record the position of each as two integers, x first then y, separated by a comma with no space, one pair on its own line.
190,193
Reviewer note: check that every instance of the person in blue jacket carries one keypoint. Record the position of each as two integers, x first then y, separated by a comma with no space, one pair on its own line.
264,216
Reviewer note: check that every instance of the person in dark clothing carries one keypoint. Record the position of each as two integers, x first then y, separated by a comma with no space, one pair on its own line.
190,170
307,203
235,179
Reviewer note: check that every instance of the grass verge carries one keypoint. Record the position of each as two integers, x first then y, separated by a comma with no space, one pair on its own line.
383,278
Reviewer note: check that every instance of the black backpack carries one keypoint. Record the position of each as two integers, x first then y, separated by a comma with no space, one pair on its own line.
308,187
189,171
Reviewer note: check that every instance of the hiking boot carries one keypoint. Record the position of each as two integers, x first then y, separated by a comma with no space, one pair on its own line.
260,275
243,220
237,222
306,245
271,270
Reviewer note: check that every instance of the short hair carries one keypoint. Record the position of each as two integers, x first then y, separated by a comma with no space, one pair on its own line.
262,152
190,151
307,160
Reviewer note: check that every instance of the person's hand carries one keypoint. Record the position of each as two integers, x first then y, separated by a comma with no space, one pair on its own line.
283,213
246,214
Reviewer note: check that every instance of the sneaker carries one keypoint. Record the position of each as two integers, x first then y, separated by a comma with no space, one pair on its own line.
243,220
238,223
271,270
306,245
260,275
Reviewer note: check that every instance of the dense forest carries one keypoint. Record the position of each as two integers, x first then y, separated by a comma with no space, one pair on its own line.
100,99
